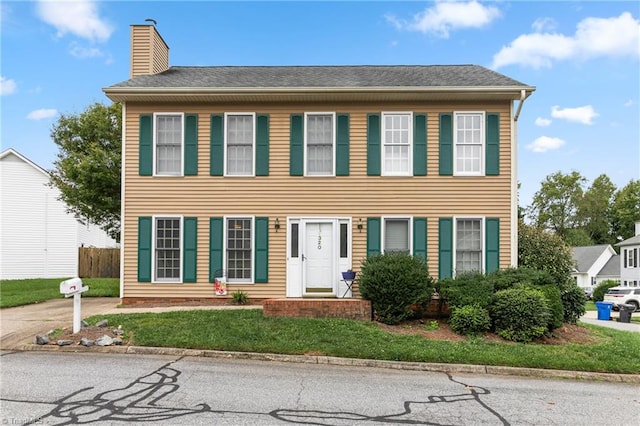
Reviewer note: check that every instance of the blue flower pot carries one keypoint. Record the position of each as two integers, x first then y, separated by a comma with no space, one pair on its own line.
349,275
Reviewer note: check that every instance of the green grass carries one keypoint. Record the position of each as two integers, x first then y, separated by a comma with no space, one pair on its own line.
250,331
26,292
590,305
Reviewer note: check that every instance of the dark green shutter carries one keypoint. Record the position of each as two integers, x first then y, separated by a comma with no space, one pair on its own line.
445,248
144,248
492,153
190,144
446,144
373,144
145,148
373,236
342,145
492,244
420,144
296,145
190,249
262,145
420,237
262,250
217,145
216,244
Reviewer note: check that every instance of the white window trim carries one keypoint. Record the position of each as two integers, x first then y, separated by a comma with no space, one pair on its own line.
483,255
154,279
483,134
333,145
236,281
155,148
226,157
383,171
384,230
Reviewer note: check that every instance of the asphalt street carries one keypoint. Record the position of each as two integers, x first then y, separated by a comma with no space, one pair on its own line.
61,388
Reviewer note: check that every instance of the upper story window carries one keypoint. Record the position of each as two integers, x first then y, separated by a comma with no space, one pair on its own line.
396,143
397,233
468,245
168,143
469,142
631,258
240,144
320,144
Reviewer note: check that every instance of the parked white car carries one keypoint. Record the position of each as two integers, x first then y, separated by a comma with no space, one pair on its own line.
622,295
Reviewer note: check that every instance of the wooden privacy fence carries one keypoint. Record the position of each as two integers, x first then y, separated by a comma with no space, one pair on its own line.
98,262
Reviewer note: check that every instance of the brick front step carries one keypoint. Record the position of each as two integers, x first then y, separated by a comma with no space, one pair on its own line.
355,309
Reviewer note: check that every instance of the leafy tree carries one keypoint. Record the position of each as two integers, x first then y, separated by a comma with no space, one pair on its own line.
594,210
87,169
542,250
625,210
578,237
555,205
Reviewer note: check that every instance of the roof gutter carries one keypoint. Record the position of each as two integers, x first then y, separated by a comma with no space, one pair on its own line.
523,96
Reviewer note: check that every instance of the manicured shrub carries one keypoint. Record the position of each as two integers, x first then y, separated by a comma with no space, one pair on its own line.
470,320
544,251
467,289
554,302
393,282
573,301
520,314
511,277
601,289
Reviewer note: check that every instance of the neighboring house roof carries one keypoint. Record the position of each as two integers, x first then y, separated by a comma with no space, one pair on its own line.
612,268
289,83
586,256
629,242
12,151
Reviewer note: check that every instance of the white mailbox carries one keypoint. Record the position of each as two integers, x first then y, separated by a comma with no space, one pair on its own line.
71,286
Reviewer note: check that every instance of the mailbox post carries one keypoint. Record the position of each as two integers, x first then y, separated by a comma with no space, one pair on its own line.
73,287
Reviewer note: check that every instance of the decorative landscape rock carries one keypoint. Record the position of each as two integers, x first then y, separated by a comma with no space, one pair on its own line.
64,342
103,323
86,342
118,332
104,341
117,341
42,340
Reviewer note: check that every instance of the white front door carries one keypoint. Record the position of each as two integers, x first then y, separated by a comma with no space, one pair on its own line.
318,258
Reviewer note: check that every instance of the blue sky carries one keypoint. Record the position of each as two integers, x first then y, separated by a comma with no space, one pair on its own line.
583,57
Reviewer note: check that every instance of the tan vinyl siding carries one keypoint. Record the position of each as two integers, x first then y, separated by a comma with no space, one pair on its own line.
149,52
280,195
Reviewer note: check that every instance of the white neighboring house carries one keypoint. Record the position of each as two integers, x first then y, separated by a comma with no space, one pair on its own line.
38,238
595,264
630,260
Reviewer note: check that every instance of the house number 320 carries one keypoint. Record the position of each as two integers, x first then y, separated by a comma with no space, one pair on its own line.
319,242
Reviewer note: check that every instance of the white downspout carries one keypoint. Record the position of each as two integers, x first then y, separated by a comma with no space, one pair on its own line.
122,197
514,178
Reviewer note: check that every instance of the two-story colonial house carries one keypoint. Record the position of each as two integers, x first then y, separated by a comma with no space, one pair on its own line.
280,178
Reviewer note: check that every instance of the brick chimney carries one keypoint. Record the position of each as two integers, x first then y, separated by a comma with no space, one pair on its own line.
149,52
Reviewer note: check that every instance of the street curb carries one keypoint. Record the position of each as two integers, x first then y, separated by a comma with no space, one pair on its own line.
540,373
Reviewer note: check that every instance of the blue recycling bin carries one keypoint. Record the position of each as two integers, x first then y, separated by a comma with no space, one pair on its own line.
604,310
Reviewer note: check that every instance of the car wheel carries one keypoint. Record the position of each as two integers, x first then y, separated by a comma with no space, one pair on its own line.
635,305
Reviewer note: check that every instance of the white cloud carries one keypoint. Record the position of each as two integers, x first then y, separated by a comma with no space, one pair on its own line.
84,52
542,24
584,114
629,103
594,37
7,86
41,114
447,16
545,143
543,122
78,17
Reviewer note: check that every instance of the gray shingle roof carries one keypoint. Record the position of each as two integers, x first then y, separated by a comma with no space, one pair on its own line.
364,76
586,256
612,267
630,241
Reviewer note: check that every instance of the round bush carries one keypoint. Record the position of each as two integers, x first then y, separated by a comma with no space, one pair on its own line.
472,288
520,314
470,320
601,289
573,301
554,302
511,277
393,282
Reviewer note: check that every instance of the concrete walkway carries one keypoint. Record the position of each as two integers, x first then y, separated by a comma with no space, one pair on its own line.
591,317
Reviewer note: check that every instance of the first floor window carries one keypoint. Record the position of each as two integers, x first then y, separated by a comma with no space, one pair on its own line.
167,249
239,250
168,144
468,245
396,143
396,235
240,139
320,140
469,140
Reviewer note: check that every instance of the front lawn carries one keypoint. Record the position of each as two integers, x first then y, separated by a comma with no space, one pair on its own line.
609,351
26,292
